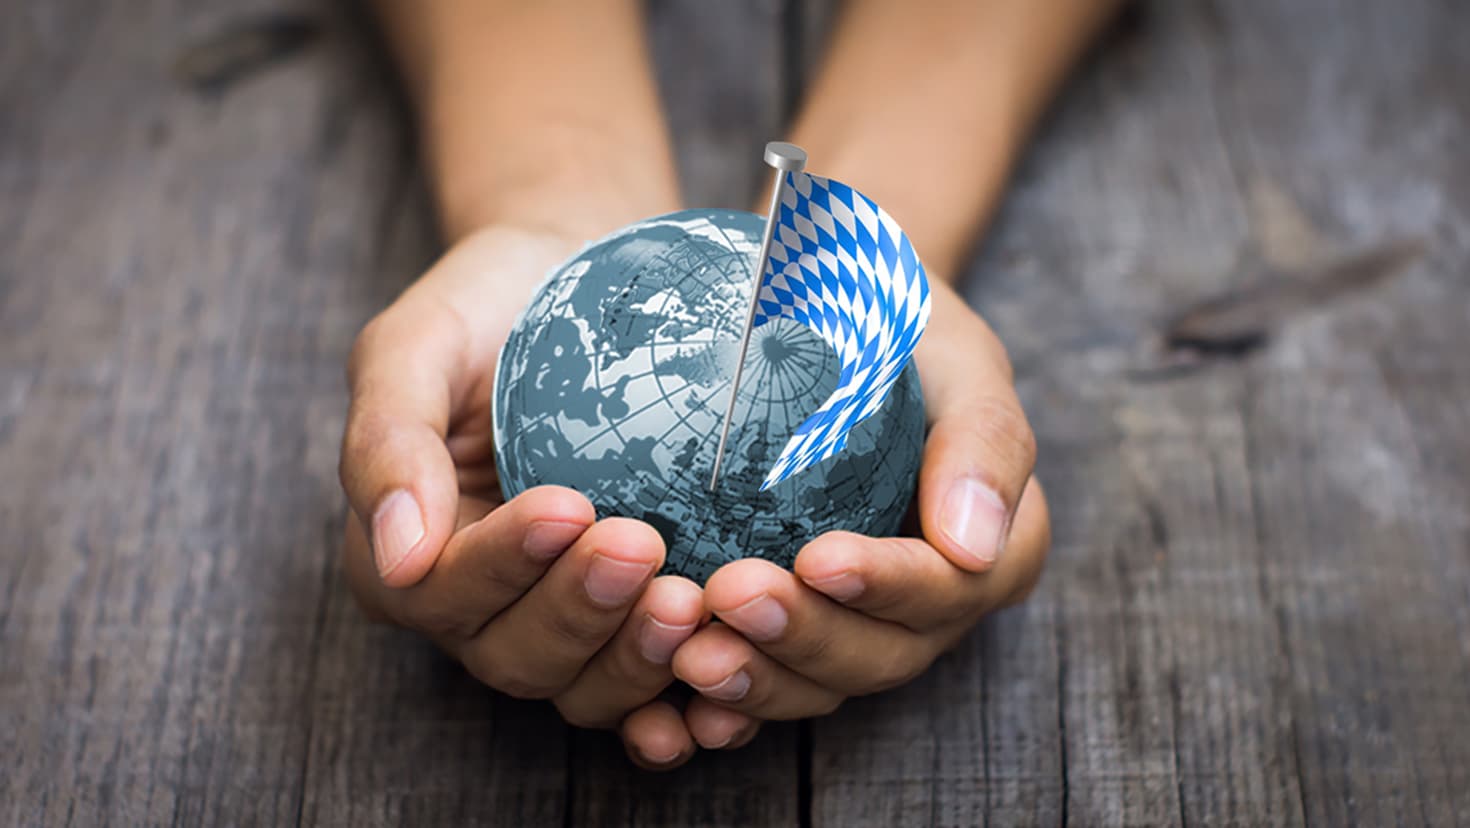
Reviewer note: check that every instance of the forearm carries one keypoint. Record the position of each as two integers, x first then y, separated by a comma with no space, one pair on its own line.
924,106
541,114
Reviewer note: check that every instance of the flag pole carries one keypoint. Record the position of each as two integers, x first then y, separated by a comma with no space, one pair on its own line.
784,158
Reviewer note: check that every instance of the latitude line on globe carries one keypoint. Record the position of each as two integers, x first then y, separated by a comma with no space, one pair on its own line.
683,419
613,429
729,242
551,415
612,425
783,158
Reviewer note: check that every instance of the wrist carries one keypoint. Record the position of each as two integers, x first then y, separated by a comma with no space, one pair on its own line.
579,150
568,194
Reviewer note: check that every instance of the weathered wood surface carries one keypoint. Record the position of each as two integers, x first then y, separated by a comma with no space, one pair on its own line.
1257,610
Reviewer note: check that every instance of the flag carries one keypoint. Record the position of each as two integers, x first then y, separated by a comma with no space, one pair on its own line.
842,267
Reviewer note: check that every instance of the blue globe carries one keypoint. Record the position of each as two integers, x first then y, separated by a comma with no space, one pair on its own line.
614,382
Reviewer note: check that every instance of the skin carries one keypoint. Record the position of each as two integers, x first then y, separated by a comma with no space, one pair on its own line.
542,129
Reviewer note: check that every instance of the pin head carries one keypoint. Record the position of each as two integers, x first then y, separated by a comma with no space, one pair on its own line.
785,157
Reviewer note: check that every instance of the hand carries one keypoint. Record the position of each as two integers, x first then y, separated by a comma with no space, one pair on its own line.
860,614
534,596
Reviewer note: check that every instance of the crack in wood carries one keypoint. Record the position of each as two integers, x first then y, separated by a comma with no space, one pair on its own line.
1238,322
217,62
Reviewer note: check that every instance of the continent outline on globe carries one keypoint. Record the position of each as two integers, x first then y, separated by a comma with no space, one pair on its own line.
613,382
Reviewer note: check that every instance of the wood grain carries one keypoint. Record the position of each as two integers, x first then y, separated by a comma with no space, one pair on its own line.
1181,608
1257,610
1370,561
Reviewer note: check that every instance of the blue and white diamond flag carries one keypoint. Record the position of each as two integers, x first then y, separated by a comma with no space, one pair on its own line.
842,266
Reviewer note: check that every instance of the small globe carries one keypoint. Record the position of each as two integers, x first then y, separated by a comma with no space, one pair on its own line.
614,382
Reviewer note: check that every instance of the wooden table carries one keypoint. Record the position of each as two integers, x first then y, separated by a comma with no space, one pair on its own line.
1257,610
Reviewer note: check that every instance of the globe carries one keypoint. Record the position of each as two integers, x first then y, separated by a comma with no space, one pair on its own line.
615,379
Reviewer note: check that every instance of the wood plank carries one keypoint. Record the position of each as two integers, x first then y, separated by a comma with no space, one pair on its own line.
1076,692
756,785
177,299
1354,416
1175,675
1175,694
399,733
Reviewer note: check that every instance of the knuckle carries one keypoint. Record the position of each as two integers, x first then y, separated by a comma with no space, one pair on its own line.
509,676
760,696
1021,593
520,688
1027,586
437,621
577,714
366,429
828,705
361,578
1000,354
579,633
367,606
892,669
903,565
991,350
977,339
364,433
953,637
812,649
1001,428
364,345
491,579
627,669
1036,548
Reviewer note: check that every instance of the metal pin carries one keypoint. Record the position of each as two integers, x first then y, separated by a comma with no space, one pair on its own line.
784,158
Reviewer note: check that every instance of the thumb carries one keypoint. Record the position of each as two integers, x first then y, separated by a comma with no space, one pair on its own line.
395,466
980,451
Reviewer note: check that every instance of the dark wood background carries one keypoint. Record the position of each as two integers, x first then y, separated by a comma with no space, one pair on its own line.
1257,611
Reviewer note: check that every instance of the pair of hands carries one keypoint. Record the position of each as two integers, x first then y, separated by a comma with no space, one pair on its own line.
538,599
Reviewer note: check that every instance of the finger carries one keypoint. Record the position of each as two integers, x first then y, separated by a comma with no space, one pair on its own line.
487,565
719,728
839,648
538,645
980,451
634,666
1031,530
728,670
378,600
655,737
395,467
362,577
908,582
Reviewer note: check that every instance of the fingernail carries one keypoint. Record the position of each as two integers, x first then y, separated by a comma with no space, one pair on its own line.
545,539
739,737
612,583
974,517
732,689
398,526
655,760
844,586
657,641
761,619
